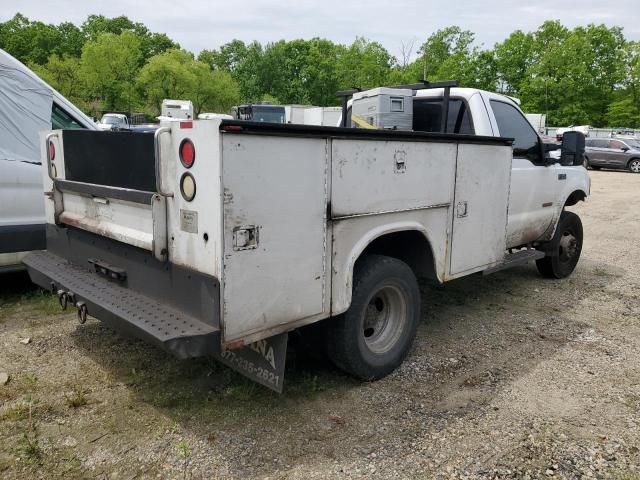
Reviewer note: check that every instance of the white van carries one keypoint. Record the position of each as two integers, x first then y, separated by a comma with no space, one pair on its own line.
28,106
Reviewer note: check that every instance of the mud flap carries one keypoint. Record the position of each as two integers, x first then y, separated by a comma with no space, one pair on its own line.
262,361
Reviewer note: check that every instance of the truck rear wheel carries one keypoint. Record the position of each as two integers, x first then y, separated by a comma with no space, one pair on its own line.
374,336
564,250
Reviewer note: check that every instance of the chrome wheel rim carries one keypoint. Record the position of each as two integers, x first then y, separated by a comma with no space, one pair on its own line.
384,319
635,166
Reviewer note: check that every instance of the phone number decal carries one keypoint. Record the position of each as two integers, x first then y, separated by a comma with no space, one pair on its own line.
249,367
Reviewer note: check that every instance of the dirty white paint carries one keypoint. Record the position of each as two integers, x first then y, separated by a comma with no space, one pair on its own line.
275,192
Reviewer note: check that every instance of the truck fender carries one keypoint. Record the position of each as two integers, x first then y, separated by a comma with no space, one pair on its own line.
343,274
573,198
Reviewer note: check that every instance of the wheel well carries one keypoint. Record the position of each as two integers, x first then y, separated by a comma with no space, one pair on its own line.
631,160
575,197
410,246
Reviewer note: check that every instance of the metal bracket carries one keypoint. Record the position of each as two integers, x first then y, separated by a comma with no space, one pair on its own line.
462,209
245,237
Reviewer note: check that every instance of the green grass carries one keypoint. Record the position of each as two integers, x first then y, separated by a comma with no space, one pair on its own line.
77,398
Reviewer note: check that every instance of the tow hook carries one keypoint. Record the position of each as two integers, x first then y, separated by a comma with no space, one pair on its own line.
62,299
82,312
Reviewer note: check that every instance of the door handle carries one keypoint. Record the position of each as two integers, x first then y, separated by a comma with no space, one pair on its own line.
462,209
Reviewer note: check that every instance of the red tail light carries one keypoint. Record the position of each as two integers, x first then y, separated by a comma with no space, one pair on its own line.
52,151
187,153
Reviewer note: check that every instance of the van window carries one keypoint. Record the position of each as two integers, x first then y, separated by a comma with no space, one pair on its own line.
62,120
427,116
513,124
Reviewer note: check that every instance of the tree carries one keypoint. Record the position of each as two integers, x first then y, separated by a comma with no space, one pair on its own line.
63,74
150,43
176,74
363,64
110,65
513,57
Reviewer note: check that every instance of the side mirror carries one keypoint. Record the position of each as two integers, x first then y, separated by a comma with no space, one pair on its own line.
572,152
624,149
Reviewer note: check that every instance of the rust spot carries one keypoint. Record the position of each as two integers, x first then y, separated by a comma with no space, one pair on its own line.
234,345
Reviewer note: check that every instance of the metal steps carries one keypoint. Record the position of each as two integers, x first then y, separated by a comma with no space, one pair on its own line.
514,259
124,309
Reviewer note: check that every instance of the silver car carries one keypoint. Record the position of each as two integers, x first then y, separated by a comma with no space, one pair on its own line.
613,153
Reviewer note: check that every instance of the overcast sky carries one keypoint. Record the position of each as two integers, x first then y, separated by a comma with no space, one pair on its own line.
199,24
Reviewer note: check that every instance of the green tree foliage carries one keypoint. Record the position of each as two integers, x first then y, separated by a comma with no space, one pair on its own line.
176,74
109,68
585,75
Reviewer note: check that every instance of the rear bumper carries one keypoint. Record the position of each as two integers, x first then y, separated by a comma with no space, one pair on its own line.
171,307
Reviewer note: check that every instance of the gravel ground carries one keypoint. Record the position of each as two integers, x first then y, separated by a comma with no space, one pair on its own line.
512,376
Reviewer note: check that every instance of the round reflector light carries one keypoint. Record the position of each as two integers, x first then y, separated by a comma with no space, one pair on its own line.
187,153
52,151
188,186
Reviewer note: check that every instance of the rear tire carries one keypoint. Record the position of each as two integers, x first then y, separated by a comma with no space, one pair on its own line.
634,165
563,251
375,334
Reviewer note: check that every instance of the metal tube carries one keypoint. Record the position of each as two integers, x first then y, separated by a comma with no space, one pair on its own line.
156,144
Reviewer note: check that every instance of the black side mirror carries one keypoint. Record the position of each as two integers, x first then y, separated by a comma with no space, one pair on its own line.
572,152
624,149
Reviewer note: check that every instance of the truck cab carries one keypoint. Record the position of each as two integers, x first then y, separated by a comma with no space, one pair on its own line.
541,185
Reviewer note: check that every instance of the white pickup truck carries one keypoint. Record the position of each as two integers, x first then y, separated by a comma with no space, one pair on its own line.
217,237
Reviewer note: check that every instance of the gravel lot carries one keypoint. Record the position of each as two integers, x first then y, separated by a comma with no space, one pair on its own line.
512,376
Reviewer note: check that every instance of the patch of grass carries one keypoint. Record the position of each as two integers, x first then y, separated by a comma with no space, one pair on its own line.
42,301
29,445
77,398
16,413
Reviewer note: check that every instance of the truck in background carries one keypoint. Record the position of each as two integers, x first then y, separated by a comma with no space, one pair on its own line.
538,121
178,109
325,116
264,112
111,120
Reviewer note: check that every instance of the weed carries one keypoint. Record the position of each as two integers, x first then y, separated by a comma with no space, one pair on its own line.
16,412
29,444
185,453
77,398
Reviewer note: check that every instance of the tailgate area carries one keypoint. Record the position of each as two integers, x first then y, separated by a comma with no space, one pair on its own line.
174,308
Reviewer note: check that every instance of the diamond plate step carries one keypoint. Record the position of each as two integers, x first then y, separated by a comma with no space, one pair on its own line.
124,309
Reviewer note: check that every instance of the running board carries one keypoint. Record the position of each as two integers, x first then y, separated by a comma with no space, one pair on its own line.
514,259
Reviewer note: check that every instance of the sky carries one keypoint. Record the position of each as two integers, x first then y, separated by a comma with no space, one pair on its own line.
200,24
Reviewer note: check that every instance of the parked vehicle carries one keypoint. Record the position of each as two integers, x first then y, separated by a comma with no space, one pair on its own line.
584,129
538,121
114,121
613,153
261,112
224,235
29,106
180,109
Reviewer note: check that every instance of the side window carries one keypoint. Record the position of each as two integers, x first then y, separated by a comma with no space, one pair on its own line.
616,145
601,143
512,123
427,116
62,120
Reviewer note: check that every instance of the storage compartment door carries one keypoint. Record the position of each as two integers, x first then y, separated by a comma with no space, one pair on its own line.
483,174
275,203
